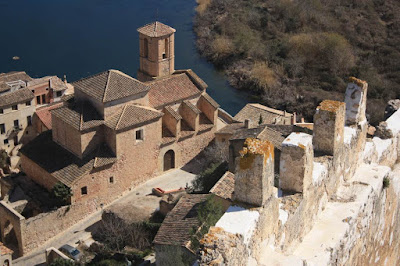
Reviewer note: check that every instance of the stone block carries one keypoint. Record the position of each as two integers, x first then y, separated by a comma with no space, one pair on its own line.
254,176
296,164
356,101
328,131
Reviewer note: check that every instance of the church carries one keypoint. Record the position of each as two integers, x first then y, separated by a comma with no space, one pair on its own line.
117,131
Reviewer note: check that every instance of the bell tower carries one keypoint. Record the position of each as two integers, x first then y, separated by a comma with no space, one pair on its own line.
157,51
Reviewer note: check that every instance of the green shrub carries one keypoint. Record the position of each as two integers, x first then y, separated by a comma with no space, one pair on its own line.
61,194
208,178
386,182
208,215
62,262
4,159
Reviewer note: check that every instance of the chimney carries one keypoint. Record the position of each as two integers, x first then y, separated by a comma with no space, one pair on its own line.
302,120
65,79
247,123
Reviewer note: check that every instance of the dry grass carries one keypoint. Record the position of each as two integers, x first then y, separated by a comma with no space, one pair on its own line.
222,47
264,75
202,5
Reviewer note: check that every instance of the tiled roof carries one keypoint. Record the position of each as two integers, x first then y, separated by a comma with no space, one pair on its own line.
230,128
60,163
18,96
81,116
12,76
132,115
175,230
44,114
192,107
243,133
253,111
173,89
225,186
272,136
57,84
210,100
109,86
171,111
5,250
156,29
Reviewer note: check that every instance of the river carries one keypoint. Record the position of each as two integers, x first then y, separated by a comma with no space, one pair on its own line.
80,38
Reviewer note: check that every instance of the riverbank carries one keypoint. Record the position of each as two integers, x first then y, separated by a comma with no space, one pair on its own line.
291,55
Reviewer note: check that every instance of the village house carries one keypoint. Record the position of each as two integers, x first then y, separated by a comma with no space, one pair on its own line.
118,131
20,95
5,255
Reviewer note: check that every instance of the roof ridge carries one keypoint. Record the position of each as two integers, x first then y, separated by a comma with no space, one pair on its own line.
91,76
122,113
106,88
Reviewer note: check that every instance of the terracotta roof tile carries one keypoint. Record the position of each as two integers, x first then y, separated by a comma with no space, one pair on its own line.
81,116
225,186
171,111
253,111
175,230
44,114
18,96
192,107
170,90
60,163
156,29
12,76
5,250
109,86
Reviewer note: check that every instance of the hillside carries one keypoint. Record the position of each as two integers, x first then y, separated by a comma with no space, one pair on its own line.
292,54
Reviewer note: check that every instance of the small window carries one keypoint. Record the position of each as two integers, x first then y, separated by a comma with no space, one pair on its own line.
58,93
29,120
111,179
16,141
16,123
38,100
2,128
139,134
164,56
33,91
1,111
28,103
84,190
47,89
43,98
6,141
15,107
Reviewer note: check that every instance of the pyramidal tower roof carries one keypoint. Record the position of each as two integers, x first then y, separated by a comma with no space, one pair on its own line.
156,29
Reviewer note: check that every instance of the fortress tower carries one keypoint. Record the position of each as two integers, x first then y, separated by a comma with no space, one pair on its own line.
157,53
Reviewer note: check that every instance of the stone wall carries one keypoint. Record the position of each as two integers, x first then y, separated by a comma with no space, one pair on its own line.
335,208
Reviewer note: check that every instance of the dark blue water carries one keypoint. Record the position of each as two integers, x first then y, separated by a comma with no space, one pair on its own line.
83,37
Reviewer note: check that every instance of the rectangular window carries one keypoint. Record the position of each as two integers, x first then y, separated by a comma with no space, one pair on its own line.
16,123
15,140
111,179
84,190
1,111
6,141
139,134
58,93
15,107
28,103
38,100
2,128
43,98
29,120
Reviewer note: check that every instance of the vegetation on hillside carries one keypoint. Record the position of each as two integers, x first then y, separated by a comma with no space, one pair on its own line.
209,177
291,54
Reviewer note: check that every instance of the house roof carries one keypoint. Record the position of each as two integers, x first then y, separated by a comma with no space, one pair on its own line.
5,250
252,111
62,164
275,137
172,112
175,229
156,29
18,96
172,89
192,107
225,186
12,76
54,82
44,114
230,128
81,116
132,115
110,85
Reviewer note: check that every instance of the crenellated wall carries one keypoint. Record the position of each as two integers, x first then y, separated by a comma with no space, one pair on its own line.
333,206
